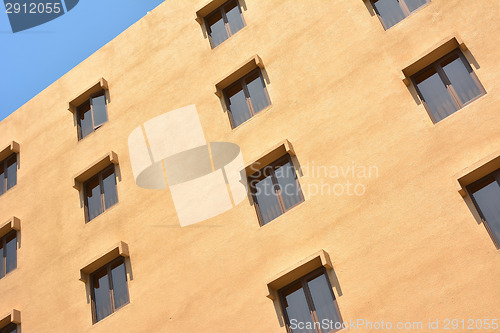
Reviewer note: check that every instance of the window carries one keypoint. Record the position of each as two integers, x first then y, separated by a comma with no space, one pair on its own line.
8,173
309,303
275,189
100,193
246,97
447,85
224,22
11,328
8,252
91,114
391,12
485,194
109,289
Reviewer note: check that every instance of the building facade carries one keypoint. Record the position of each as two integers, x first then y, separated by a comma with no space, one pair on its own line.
379,116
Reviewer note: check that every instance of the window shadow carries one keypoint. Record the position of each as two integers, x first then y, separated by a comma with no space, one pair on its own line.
369,6
470,58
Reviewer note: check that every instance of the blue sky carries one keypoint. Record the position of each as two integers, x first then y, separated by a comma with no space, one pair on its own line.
33,59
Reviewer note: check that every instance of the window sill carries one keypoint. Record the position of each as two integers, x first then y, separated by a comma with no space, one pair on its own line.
13,317
476,171
93,169
303,267
12,148
249,65
13,223
432,54
119,250
101,84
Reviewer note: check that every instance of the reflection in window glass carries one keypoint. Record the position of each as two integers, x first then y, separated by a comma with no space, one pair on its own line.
267,200
310,301
460,79
297,309
246,97
217,29
109,184
393,11
8,253
488,200
93,197
256,90
323,300
85,119
390,12
8,173
287,179
3,185
224,22
92,114
100,193
99,110
11,171
238,105
447,85
435,95
2,256
109,289
120,290
233,14
101,293
275,189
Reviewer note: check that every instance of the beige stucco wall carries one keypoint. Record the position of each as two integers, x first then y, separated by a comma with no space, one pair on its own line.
409,249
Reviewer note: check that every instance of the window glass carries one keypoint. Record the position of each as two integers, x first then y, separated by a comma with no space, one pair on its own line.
234,18
297,309
415,4
93,197
2,179
256,91
460,79
287,179
323,300
120,290
488,200
99,110
435,94
390,11
109,184
238,104
11,171
267,200
217,28
101,294
85,119
2,258
11,252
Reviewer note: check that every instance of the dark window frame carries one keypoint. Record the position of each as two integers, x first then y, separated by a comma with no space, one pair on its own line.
241,81
99,175
477,185
404,8
222,11
107,267
78,112
5,179
436,65
9,328
261,174
3,254
303,282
